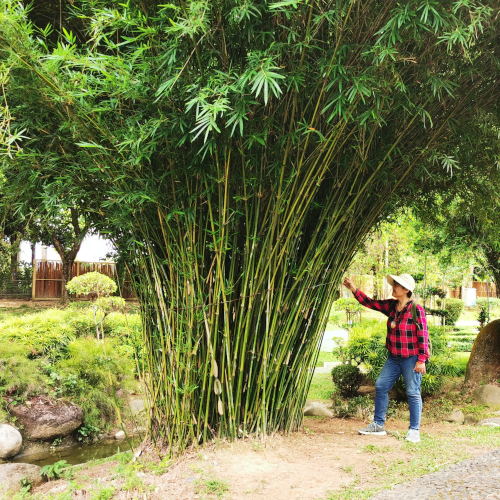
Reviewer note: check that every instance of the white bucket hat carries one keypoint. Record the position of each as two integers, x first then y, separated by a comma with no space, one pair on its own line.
405,280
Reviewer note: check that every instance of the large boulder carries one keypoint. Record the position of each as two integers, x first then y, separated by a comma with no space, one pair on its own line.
488,394
12,476
11,441
484,362
46,418
315,409
456,417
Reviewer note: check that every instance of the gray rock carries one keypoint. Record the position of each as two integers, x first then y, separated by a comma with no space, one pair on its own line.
491,422
120,435
471,419
315,409
11,476
11,441
46,418
59,487
136,404
456,416
488,394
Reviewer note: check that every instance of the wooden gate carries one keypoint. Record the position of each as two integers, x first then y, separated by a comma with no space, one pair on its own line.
47,277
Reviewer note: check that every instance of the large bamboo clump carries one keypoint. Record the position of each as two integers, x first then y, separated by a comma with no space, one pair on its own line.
241,152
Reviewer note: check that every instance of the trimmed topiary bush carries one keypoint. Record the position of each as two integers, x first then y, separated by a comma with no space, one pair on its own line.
93,284
351,307
97,286
348,304
111,304
453,308
347,378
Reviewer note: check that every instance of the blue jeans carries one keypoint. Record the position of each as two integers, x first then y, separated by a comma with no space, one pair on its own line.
393,368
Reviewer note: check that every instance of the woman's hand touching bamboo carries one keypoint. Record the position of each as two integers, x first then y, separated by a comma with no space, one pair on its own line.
349,284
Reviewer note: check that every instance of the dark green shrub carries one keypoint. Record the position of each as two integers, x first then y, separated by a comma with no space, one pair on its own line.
454,308
366,344
357,406
431,383
347,378
436,369
484,316
430,291
440,313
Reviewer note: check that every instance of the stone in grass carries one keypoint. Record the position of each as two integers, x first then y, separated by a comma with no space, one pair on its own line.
471,419
491,422
12,477
120,435
488,394
315,409
11,441
456,416
47,418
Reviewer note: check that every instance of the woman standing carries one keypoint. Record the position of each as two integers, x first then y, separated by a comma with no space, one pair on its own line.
407,343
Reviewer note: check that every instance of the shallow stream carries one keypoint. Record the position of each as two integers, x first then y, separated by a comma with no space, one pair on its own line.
78,453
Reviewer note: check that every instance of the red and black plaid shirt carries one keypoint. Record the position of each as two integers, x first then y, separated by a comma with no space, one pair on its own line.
406,338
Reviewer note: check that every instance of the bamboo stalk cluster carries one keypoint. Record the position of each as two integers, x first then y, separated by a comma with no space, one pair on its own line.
241,152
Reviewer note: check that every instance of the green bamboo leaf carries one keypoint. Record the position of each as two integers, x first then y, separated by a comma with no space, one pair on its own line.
286,3
90,145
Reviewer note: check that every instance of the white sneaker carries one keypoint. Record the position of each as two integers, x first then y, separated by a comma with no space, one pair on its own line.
413,436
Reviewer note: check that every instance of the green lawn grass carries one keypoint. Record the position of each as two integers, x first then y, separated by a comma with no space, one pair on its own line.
321,386
325,357
460,359
11,312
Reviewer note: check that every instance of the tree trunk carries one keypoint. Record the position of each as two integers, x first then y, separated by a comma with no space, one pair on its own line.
15,242
33,255
68,255
493,262
67,265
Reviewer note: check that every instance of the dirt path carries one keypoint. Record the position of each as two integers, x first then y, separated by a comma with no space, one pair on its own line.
327,460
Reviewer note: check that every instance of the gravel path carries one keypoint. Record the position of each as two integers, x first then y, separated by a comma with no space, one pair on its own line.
474,479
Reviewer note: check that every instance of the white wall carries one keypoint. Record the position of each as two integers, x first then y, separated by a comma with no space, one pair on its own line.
94,249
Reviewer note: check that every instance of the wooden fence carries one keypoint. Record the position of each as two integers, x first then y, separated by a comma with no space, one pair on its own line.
481,290
47,277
